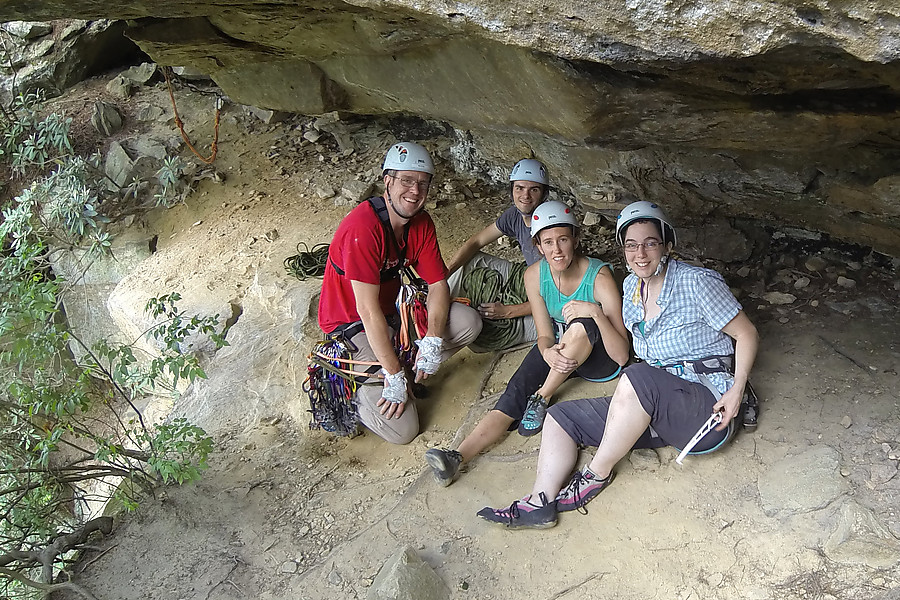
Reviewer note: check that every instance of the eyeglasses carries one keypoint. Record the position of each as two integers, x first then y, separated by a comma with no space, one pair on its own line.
633,247
409,182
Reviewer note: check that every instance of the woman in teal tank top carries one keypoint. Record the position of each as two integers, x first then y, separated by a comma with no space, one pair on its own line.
577,310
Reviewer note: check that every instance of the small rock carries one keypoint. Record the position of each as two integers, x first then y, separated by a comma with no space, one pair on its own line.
779,298
743,271
783,320
814,303
120,87
335,579
139,75
355,191
845,472
289,567
265,115
149,112
801,283
106,118
590,218
459,205
815,264
886,448
846,421
312,135
844,282
324,192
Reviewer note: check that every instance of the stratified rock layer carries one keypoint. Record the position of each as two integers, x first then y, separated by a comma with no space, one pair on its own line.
777,110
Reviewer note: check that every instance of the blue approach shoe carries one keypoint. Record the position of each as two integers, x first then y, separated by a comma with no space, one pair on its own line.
533,420
522,514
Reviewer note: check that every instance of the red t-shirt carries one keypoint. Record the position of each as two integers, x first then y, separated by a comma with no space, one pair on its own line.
360,249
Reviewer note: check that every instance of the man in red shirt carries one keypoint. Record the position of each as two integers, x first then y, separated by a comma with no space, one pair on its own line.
362,280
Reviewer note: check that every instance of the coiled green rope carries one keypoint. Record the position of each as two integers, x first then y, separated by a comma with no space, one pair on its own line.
482,285
307,263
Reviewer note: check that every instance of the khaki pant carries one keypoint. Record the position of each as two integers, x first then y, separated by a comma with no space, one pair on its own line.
463,326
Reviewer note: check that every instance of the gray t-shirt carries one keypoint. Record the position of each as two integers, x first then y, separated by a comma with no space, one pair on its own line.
511,223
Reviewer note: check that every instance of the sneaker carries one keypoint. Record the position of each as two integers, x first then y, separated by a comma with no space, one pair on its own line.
533,420
582,488
444,464
750,408
522,514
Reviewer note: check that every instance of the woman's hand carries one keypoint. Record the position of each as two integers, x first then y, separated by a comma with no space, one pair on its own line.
577,309
557,362
729,404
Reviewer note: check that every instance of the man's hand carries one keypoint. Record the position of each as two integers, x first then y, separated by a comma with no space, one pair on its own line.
559,363
494,311
393,397
578,309
728,404
428,357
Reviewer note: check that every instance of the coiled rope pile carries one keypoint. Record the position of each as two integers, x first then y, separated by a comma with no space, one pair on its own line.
482,285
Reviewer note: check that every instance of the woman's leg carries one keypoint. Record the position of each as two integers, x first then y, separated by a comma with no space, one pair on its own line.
626,423
489,430
555,461
577,346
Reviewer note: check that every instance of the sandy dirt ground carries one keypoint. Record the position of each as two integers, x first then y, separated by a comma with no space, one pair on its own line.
288,513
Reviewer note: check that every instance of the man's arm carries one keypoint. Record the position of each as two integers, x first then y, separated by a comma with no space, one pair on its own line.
438,304
472,245
379,336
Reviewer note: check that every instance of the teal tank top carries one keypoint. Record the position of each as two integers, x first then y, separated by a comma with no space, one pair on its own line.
555,300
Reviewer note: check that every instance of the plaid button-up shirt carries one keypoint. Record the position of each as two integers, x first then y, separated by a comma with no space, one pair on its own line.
695,304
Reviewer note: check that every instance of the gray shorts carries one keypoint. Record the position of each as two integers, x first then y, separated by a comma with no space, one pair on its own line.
677,409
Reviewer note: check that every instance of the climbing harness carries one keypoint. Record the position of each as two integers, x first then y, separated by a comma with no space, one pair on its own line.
215,144
483,285
307,263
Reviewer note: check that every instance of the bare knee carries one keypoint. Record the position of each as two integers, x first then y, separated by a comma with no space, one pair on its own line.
575,333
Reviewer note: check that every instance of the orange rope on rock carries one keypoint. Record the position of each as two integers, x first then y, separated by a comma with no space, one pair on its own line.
180,123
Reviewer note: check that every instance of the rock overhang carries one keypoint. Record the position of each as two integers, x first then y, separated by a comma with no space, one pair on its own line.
765,110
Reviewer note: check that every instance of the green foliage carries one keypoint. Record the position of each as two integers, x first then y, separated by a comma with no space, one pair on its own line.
68,419
28,140
171,189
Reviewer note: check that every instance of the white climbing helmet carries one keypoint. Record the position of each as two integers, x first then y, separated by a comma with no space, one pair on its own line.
551,214
643,209
408,156
529,169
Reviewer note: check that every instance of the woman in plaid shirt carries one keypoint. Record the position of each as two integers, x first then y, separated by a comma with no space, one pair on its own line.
696,346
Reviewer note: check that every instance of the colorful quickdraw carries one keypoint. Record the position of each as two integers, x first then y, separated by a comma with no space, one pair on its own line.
331,385
412,307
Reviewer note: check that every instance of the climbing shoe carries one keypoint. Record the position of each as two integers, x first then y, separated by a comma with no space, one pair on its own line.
444,464
533,420
522,514
582,488
750,408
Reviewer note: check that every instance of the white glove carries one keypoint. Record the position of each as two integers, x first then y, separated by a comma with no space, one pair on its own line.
429,354
394,386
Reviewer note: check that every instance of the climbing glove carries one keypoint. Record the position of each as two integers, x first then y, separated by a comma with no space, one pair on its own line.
429,354
394,386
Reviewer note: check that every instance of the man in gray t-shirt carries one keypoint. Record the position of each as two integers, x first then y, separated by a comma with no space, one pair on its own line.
529,186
